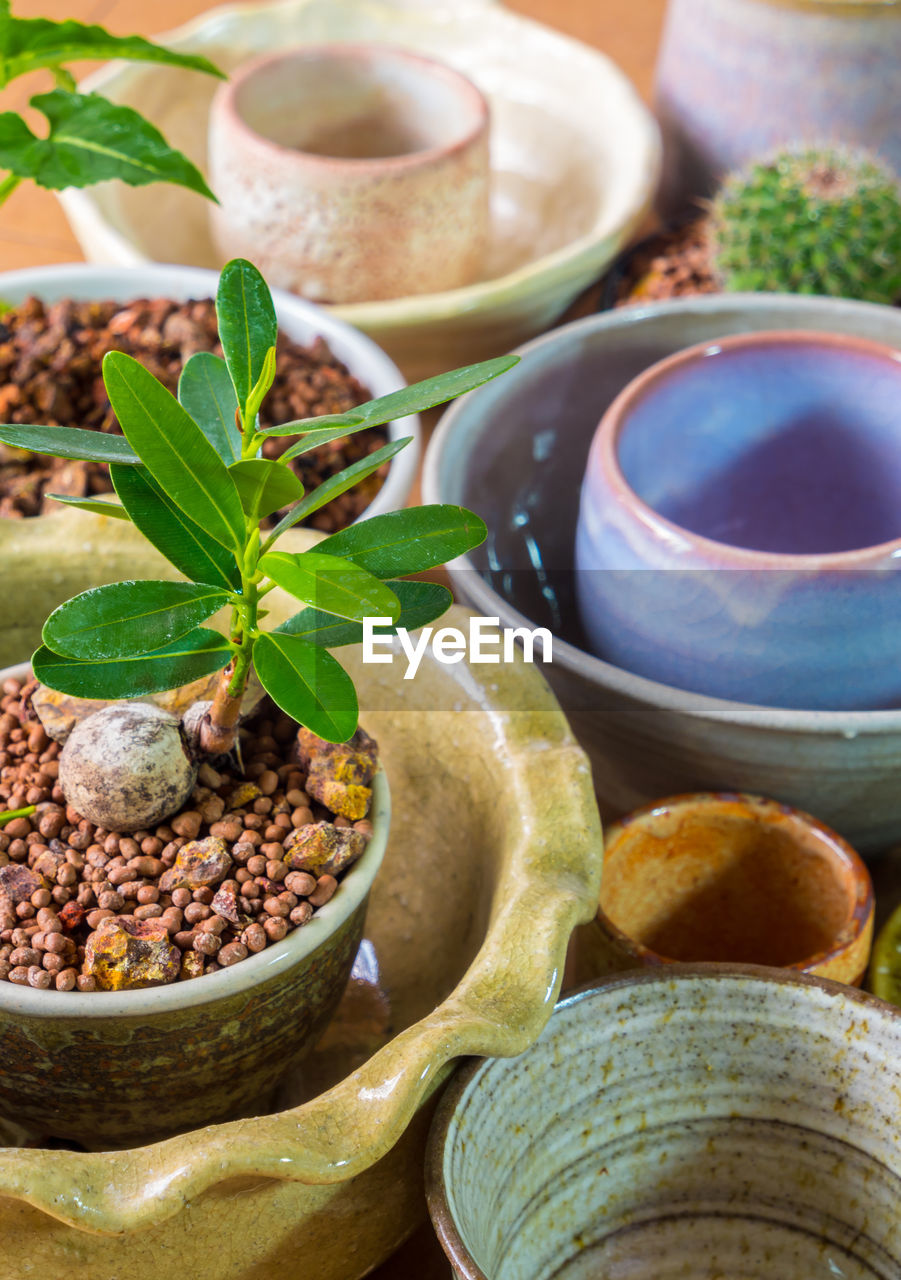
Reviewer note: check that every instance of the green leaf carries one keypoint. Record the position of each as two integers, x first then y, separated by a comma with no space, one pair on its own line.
184,544
420,604
91,140
315,439
69,442
123,618
197,654
29,43
205,390
265,486
94,505
313,426
247,324
335,486
308,684
433,391
331,584
409,541
261,388
174,449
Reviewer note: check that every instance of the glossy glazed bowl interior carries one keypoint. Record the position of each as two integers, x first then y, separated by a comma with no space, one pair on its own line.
748,489
705,1122
730,878
516,451
575,157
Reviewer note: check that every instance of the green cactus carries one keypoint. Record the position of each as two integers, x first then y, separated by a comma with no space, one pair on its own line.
810,221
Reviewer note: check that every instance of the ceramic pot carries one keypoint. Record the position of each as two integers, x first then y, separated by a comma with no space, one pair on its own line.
352,172
737,78
689,1121
729,878
645,739
107,1068
747,491
492,811
44,544
565,197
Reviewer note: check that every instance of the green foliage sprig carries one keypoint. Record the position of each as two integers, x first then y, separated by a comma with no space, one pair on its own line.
188,473
89,139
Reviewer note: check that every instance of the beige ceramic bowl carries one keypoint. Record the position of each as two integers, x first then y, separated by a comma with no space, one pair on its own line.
703,1122
729,877
351,172
575,157
495,855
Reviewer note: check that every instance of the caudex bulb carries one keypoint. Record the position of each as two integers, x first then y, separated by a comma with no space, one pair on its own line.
127,766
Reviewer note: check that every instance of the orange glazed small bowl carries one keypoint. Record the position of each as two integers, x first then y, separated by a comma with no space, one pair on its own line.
731,878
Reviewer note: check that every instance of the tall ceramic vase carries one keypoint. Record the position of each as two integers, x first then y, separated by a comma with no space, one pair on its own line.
738,77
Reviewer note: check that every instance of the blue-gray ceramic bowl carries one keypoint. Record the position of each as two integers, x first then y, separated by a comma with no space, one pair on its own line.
701,1121
516,452
748,491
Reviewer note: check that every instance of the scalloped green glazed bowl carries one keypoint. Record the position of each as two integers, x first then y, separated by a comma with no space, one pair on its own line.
494,856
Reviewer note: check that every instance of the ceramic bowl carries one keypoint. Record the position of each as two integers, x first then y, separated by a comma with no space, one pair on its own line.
829,66
494,856
516,450
690,1121
749,490
107,1069
42,542
720,877
351,172
574,163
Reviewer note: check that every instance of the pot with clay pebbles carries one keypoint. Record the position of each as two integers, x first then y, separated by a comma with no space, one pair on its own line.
193,817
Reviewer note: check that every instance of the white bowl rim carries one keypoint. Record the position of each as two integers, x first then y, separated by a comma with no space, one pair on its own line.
640,689
399,312
347,344
225,983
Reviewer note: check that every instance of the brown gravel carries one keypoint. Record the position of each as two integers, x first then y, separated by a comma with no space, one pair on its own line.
50,358
202,891
673,264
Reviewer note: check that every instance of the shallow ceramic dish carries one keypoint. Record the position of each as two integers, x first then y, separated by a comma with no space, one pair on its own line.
575,160
732,878
495,855
515,451
43,542
696,1121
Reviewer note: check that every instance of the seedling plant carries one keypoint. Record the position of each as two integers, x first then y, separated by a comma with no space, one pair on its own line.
189,474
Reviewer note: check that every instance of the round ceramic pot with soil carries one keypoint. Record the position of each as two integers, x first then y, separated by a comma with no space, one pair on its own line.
149,985
50,355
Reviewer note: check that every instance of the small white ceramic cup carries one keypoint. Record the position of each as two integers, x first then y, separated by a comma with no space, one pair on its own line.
352,172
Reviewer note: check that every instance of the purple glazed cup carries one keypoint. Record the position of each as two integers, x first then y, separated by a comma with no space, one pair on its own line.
739,530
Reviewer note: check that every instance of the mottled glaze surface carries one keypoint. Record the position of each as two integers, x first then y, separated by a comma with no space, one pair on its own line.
575,159
351,173
720,877
495,855
516,452
749,490
739,77
690,1121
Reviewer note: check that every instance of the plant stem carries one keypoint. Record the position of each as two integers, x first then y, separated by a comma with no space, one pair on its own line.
8,186
217,732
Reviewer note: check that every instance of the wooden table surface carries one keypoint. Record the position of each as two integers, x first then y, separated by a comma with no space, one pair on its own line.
33,230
